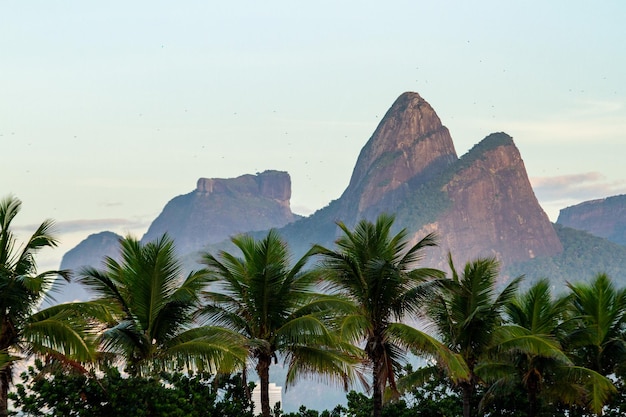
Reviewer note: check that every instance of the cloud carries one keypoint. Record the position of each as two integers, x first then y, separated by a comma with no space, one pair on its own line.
556,193
582,187
100,224
80,225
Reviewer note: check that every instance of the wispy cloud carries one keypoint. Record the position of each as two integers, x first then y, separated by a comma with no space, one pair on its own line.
100,224
81,225
558,192
582,187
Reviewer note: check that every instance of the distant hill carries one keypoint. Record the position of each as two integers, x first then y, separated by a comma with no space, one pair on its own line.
584,256
219,208
90,252
604,218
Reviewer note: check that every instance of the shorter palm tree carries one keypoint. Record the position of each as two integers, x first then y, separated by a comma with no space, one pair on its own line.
151,307
531,355
600,309
466,313
54,332
273,305
376,271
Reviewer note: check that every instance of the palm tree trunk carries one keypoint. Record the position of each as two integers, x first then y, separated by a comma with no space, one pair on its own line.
377,397
5,378
468,390
532,403
263,369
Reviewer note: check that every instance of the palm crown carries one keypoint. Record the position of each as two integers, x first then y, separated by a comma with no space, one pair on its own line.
152,309
272,303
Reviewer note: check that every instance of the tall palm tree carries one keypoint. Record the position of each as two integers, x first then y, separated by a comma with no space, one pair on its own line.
534,357
376,270
273,305
151,306
55,331
466,313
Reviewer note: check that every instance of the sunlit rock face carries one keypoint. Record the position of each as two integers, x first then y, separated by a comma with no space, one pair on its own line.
481,204
493,210
409,146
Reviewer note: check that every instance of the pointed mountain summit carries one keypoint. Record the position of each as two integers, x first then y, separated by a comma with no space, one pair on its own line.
409,147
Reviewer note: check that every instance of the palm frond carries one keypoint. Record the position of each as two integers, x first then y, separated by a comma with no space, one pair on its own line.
421,342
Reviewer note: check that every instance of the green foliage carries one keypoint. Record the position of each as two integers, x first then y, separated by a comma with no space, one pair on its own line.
583,256
151,323
424,205
273,306
61,394
376,270
59,331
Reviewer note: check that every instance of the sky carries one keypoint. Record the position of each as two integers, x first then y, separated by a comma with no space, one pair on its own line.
108,110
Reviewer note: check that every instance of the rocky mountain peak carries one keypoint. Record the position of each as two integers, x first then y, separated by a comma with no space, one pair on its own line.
493,210
409,146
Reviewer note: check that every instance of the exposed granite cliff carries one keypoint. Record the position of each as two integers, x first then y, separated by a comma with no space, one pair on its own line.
219,208
410,146
492,209
604,218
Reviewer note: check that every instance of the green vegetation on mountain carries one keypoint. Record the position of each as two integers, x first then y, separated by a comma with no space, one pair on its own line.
584,255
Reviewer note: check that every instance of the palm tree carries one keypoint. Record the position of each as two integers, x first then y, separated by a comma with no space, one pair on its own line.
375,270
53,332
272,304
152,306
600,308
534,358
597,342
466,313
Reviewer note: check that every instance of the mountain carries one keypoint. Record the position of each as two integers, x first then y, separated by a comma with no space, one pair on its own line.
481,204
409,147
219,208
90,252
490,207
604,218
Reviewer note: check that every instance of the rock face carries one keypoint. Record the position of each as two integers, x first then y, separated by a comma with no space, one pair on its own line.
479,205
493,210
409,147
219,208
604,218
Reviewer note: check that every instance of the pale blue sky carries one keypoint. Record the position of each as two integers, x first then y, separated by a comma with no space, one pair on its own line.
110,109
